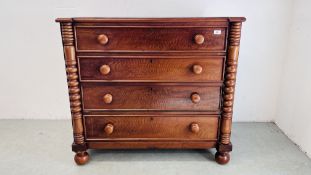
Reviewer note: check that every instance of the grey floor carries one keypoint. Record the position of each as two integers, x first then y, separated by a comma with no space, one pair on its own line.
43,147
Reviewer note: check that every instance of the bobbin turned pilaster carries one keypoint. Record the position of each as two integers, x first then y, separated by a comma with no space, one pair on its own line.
224,145
79,145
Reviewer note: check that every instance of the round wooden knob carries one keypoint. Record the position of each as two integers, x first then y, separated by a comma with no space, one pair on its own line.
194,127
102,39
197,69
195,98
108,98
109,129
199,39
104,69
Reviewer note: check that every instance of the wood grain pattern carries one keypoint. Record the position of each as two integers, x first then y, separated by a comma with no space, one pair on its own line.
148,112
195,128
107,98
188,144
151,20
195,97
165,69
102,39
103,69
224,146
151,128
81,158
230,79
109,128
199,39
73,83
134,97
197,69
67,34
148,39
151,82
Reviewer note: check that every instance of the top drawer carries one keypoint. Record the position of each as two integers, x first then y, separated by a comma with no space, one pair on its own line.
144,39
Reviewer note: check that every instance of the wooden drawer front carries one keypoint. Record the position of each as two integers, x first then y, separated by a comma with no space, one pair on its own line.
104,39
151,97
151,127
152,69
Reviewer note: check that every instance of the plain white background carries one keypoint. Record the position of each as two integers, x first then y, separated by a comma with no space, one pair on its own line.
293,115
273,82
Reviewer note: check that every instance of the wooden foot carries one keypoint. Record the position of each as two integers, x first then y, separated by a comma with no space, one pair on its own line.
81,158
222,157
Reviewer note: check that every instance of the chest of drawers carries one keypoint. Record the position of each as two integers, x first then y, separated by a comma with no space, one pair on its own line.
139,83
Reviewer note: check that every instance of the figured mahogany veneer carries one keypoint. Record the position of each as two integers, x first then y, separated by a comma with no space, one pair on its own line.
150,97
161,128
165,69
151,82
123,38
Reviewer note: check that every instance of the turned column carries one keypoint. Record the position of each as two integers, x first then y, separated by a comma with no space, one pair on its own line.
78,145
224,145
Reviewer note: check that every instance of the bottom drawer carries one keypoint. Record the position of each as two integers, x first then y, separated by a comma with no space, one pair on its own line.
203,127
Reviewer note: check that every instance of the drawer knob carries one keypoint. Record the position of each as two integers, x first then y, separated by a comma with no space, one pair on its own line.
109,129
194,127
199,39
102,39
108,98
197,69
195,98
104,69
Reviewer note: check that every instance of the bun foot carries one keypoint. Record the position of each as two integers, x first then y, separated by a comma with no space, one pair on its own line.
222,158
81,158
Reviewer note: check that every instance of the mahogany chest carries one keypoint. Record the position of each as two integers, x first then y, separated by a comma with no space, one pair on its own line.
137,83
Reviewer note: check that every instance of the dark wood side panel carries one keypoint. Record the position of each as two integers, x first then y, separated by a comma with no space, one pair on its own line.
152,68
151,127
133,39
151,97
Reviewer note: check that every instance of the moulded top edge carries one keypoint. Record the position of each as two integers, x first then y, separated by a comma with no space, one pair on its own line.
188,19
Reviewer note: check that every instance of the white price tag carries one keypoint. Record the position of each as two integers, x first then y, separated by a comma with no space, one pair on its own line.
217,32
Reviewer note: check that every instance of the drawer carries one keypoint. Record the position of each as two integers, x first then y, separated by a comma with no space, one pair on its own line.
141,39
156,68
109,96
151,127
